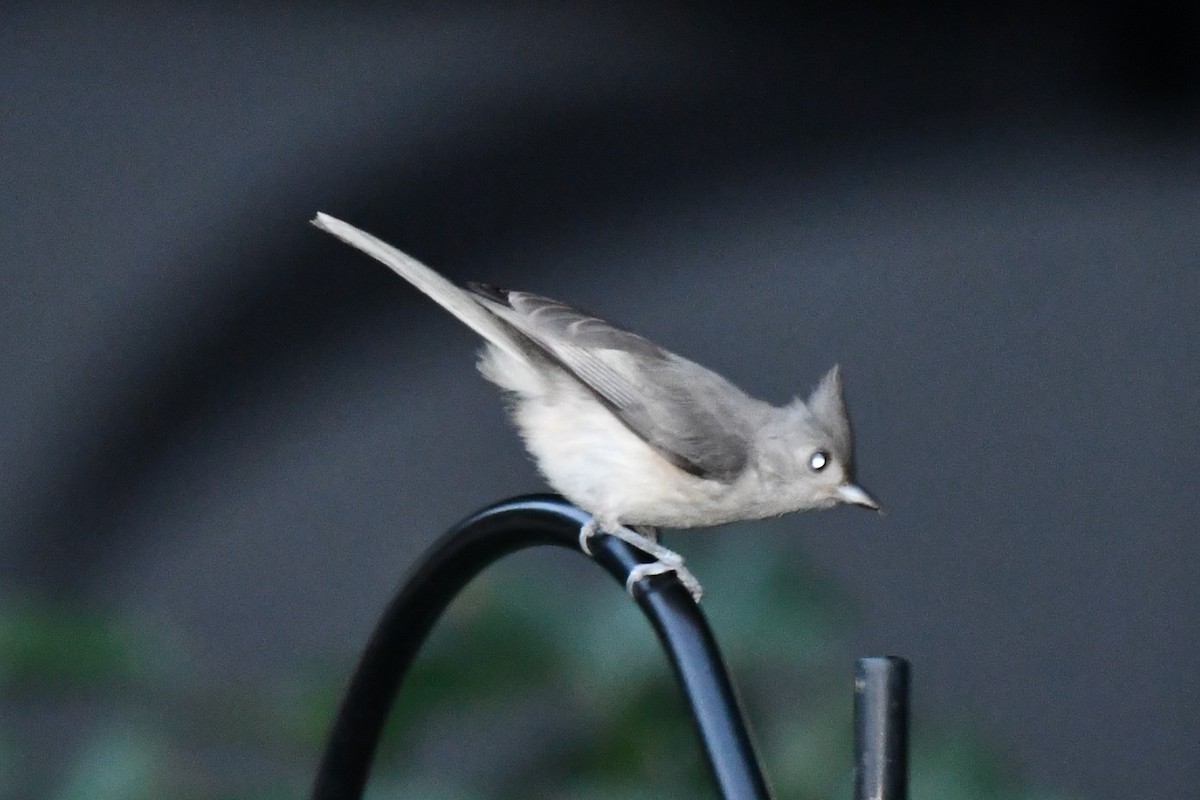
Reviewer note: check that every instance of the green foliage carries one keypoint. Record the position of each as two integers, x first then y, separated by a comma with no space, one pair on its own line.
534,685
62,648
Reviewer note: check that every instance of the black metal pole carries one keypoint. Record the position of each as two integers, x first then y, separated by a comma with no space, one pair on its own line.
881,688
460,555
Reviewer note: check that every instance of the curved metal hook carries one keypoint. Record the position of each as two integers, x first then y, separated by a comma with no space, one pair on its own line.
460,555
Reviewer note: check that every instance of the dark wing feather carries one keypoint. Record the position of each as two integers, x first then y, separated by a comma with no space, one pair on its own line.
692,416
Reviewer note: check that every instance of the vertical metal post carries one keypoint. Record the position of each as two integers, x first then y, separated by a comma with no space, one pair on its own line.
881,688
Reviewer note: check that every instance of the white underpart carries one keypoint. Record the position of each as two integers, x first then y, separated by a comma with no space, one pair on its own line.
588,455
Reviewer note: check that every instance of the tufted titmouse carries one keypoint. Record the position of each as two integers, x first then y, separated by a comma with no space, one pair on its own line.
634,434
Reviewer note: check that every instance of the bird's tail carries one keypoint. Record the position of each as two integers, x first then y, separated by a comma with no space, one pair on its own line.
455,300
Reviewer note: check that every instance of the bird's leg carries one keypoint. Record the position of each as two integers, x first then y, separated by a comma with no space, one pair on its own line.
667,561
645,538
649,531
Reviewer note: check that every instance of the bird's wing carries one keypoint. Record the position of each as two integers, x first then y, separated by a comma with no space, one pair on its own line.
692,416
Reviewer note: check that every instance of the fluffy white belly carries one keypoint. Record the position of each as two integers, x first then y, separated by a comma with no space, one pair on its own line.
590,457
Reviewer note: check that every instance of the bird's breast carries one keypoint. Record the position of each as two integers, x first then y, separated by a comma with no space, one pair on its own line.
588,455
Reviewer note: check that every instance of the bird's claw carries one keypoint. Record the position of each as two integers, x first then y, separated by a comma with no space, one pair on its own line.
665,560
660,568
586,533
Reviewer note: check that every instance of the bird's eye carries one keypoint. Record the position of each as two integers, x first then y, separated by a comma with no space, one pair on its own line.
818,460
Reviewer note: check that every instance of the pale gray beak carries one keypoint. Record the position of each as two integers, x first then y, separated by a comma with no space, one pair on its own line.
849,493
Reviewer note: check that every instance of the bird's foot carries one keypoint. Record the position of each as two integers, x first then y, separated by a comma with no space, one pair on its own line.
659,568
589,529
666,560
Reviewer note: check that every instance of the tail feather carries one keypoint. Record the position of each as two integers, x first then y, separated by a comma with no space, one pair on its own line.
455,300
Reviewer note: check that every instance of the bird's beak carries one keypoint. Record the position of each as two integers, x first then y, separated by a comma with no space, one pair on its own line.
849,493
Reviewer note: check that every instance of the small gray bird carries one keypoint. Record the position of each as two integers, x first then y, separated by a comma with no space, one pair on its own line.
634,434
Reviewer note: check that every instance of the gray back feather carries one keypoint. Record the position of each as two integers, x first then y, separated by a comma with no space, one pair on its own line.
692,416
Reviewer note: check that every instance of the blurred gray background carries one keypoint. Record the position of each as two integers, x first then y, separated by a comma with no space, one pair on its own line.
215,415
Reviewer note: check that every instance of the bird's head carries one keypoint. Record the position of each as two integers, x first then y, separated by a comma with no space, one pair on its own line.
819,449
